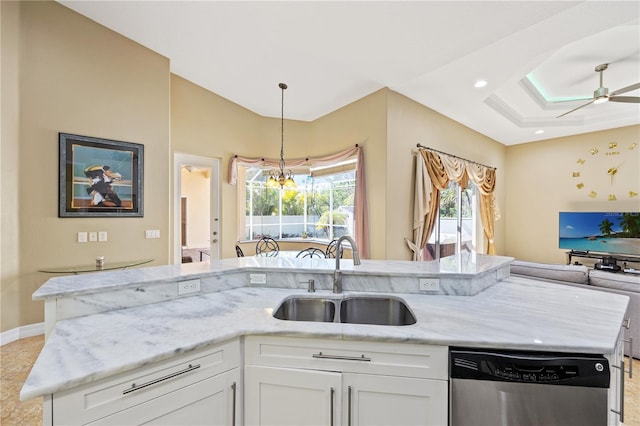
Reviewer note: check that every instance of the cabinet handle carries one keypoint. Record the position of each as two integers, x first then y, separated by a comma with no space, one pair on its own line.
135,387
333,391
621,411
630,342
233,407
349,406
341,357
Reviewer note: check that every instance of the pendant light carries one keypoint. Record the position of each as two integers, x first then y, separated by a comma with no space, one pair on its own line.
280,177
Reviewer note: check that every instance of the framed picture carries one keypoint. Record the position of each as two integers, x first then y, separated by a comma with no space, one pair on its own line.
100,177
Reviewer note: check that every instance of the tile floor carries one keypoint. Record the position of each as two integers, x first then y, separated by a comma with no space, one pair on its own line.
16,359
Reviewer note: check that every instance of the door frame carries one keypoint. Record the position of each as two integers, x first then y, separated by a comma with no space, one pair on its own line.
180,160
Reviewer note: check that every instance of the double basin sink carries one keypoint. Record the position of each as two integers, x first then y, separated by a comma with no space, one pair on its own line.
378,310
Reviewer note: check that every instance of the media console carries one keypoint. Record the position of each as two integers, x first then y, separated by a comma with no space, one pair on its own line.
617,258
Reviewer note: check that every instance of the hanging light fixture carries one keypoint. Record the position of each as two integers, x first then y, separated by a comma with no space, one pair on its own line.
280,177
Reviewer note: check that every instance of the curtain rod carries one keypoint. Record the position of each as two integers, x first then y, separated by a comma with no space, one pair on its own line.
454,156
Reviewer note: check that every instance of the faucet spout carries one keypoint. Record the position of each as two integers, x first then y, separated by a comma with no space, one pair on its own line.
337,276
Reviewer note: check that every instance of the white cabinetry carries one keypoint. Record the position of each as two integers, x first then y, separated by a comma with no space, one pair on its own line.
334,382
199,388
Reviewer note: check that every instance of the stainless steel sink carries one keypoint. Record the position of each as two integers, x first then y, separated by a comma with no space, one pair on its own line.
377,310
306,309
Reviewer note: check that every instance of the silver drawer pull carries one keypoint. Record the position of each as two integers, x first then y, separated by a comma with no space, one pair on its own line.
342,357
620,412
135,387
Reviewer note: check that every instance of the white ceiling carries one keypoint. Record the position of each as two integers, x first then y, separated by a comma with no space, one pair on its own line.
332,53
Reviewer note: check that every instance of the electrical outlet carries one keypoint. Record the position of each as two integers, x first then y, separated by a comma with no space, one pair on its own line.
93,237
102,236
258,279
429,284
189,286
82,237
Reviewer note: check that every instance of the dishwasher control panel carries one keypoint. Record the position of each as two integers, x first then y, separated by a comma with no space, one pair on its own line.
530,367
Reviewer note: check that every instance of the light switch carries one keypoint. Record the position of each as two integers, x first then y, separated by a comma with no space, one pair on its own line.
152,233
82,237
93,237
102,236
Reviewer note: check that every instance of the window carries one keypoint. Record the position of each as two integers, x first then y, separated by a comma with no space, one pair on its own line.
455,229
321,206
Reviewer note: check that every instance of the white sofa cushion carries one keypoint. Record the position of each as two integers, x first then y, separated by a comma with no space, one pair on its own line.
617,280
578,274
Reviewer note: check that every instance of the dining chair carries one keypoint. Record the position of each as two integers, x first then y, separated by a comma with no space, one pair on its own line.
330,251
239,252
311,252
267,246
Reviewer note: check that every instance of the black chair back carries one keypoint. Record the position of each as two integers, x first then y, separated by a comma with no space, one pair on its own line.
267,246
239,252
311,252
330,252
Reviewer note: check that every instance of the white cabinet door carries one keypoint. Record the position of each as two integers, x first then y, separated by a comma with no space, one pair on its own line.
280,396
370,400
213,401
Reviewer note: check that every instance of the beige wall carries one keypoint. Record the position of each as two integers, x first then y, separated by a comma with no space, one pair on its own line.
363,122
75,77
541,185
208,125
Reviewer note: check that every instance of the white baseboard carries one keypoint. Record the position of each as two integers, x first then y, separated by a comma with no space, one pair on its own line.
21,333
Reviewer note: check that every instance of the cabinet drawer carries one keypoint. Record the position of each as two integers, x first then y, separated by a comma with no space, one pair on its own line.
107,396
396,359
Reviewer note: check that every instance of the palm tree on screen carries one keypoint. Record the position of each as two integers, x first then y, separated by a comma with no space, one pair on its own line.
606,227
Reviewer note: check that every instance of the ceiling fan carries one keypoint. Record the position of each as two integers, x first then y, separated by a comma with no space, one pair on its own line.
601,94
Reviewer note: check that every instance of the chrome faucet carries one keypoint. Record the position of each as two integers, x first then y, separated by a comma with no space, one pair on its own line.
337,276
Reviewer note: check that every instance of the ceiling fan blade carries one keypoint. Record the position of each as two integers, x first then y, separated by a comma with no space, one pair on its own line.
575,109
628,99
626,89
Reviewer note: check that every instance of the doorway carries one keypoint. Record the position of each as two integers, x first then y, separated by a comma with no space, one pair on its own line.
196,209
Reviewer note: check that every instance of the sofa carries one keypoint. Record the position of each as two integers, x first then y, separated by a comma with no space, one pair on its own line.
580,275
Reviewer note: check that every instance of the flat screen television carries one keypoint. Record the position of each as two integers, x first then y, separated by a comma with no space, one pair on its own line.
602,232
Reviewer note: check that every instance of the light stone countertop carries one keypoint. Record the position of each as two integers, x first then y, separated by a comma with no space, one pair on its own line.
465,266
516,313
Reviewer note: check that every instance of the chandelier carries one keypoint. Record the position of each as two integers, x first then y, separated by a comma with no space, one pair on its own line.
281,177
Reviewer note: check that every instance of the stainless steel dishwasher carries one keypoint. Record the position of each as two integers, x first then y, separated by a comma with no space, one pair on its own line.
492,388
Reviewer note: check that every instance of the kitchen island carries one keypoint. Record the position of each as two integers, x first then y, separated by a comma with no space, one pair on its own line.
112,323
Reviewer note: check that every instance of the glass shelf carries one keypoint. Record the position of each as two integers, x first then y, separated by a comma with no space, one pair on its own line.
108,266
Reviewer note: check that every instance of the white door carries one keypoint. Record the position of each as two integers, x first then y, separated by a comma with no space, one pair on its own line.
281,396
208,236
386,400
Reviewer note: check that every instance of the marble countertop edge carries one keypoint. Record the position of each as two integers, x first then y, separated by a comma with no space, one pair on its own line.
96,282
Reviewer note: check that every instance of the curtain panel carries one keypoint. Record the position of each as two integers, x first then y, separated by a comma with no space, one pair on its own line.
360,213
433,172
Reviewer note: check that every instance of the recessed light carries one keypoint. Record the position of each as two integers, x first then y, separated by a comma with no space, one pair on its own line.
480,83
539,132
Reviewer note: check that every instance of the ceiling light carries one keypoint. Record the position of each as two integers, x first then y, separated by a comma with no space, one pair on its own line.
280,177
480,83
539,132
